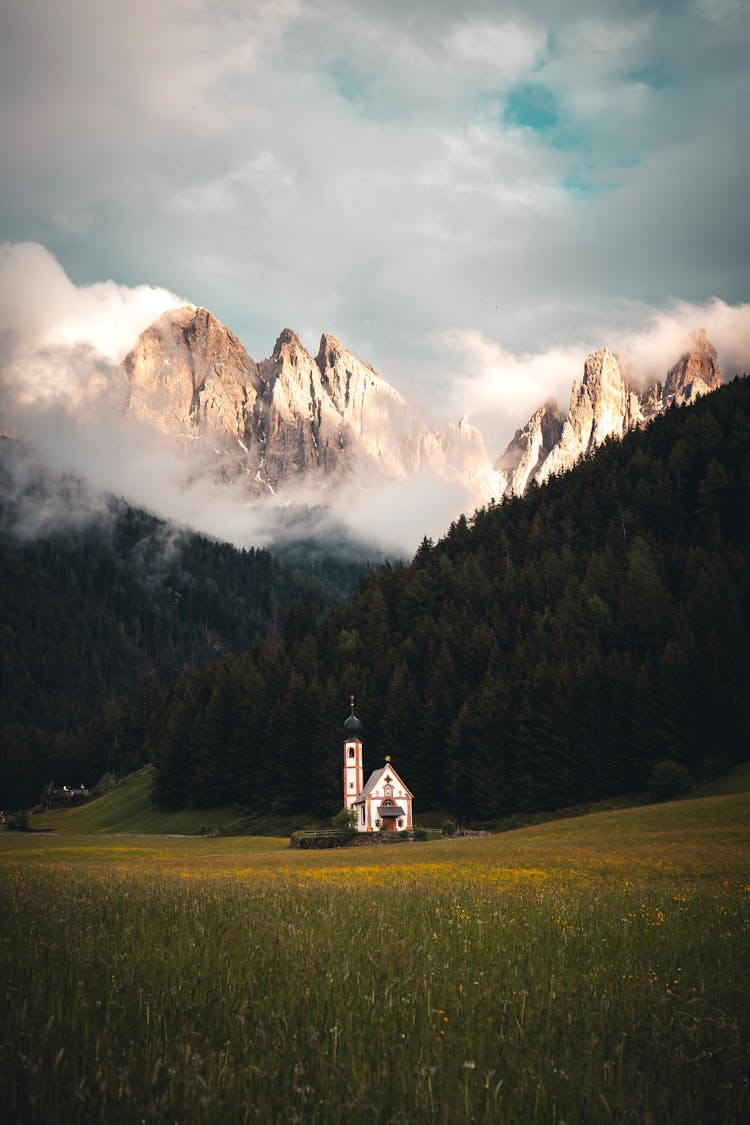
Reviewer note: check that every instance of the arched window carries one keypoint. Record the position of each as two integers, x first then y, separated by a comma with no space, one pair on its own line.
388,790
351,751
387,802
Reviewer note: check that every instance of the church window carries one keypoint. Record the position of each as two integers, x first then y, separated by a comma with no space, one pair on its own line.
351,784
387,802
388,790
351,751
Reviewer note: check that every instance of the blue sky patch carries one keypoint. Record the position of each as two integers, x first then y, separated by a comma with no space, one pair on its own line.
532,106
348,84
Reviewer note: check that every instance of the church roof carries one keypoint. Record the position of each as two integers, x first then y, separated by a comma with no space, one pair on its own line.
372,781
375,777
352,726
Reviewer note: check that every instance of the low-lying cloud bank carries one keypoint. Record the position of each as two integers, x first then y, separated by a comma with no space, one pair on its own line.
61,344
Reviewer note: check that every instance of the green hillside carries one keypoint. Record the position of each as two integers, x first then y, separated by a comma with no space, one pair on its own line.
549,651
736,781
129,809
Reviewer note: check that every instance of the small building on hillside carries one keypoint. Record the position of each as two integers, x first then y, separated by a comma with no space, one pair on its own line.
384,804
53,797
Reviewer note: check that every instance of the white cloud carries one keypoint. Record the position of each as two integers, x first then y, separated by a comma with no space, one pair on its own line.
41,308
349,166
60,345
339,166
505,51
86,69
652,349
500,390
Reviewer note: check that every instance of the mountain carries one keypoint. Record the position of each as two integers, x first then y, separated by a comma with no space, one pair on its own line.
602,406
290,418
293,419
522,461
189,375
549,650
696,373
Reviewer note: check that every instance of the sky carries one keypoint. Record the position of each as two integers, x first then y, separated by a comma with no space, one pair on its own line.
471,195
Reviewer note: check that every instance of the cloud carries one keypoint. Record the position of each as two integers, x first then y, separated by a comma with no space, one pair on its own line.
481,190
108,455
60,347
86,70
40,307
505,50
500,390
365,169
650,351
61,391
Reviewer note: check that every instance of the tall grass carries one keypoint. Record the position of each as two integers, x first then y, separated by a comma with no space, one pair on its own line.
584,972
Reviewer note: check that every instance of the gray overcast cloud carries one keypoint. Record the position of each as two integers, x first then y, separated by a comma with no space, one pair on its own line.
469,195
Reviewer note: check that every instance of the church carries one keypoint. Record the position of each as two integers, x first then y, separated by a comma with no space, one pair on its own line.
384,804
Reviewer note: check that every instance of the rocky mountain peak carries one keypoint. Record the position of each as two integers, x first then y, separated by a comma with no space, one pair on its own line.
293,417
601,373
202,329
602,405
188,373
696,372
196,319
530,447
334,357
699,342
289,347
331,350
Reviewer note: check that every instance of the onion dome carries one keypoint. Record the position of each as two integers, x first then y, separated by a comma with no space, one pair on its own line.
352,725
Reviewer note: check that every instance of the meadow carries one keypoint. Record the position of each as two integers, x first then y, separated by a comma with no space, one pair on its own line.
586,970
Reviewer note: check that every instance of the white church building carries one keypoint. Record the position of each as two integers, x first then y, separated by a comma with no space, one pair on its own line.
384,804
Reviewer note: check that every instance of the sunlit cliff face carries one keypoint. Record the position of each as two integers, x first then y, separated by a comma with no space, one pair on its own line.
302,430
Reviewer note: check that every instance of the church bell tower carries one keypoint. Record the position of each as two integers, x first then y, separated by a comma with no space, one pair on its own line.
353,773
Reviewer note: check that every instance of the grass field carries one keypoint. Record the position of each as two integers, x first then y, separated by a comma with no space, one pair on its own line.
586,970
129,809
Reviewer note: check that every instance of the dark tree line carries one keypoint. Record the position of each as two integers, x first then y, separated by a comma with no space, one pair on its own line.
98,621
548,650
